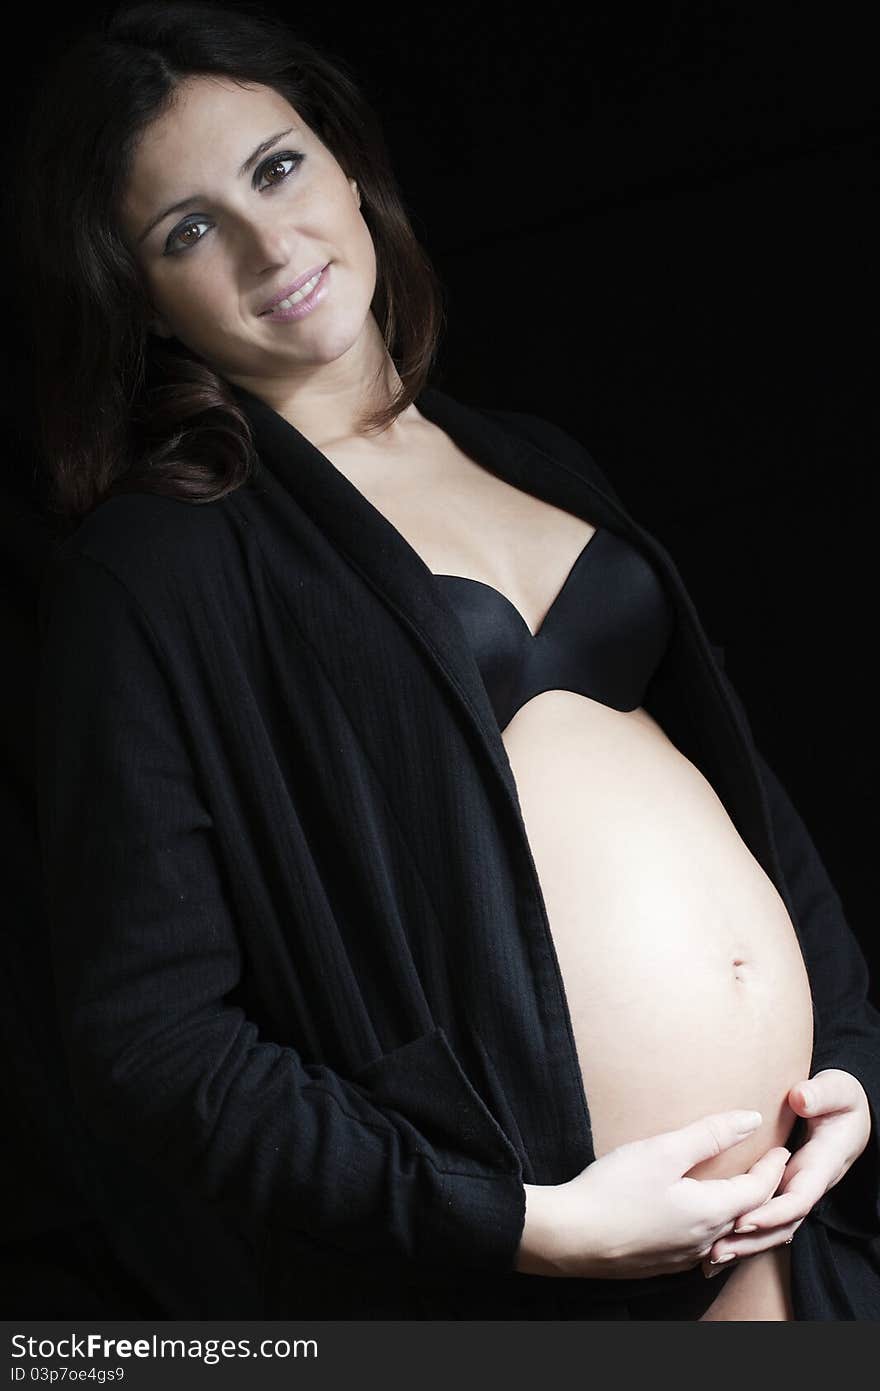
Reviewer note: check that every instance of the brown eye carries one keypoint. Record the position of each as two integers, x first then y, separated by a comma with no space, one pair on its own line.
277,162
175,241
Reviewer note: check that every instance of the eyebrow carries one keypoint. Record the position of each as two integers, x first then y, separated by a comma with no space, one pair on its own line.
194,197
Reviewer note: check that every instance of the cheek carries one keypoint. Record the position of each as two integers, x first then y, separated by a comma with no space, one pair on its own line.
190,315
364,242
193,302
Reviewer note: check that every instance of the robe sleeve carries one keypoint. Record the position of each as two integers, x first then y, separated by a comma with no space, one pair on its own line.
145,952
847,1025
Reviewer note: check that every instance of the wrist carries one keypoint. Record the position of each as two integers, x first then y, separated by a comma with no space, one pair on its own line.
540,1248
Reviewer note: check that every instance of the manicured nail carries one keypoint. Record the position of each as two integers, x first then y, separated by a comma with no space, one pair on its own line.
721,1259
748,1120
752,1227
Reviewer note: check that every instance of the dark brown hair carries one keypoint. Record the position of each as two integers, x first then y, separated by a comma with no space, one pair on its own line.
115,408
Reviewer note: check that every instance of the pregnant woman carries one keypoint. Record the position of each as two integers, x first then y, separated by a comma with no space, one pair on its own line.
415,899
690,952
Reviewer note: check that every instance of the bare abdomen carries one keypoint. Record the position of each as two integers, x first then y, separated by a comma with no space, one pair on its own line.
685,982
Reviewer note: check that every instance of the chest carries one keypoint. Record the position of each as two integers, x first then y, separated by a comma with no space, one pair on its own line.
461,519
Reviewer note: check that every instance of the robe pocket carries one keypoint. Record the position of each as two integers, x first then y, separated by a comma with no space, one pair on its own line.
433,1103
425,1084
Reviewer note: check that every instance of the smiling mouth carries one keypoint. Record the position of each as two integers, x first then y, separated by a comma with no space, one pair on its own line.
302,293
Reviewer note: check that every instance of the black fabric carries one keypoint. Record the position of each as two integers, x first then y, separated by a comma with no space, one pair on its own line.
304,977
383,1295
603,636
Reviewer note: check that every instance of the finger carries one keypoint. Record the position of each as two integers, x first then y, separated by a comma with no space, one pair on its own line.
830,1090
801,1193
774,1213
708,1137
741,1247
751,1190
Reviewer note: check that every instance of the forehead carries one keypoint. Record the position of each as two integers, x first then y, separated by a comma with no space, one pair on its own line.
211,126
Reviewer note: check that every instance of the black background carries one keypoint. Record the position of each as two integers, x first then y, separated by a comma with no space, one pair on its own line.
654,227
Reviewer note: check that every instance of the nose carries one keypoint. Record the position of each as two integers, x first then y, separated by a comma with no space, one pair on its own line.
266,242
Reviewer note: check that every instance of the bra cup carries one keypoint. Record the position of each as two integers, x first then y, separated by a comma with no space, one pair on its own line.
603,636
499,639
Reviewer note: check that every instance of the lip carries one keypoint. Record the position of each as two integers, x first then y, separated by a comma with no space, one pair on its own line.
291,289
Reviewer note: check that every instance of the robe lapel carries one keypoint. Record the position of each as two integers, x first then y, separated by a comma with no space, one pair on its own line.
692,699
382,556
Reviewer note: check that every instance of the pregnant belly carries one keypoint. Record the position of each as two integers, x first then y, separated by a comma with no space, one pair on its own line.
683,975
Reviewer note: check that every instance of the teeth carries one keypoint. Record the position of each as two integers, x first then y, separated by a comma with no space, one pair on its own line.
298,295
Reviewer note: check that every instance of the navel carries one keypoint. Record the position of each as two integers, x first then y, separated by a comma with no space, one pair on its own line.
740,968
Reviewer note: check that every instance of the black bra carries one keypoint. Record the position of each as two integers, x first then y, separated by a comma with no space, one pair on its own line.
603,636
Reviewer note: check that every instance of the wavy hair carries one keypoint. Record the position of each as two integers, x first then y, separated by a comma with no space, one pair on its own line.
115,408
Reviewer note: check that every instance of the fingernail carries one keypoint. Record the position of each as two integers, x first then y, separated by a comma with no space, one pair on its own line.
748,1120
808,1096
752,1227
721,1259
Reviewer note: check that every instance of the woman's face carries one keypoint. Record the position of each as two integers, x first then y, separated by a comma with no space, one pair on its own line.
239,239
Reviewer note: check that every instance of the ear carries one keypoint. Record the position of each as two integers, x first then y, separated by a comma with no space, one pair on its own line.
355,190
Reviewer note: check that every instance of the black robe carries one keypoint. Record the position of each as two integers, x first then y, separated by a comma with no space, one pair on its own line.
304,973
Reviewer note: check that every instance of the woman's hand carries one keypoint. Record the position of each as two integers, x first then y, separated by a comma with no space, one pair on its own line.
835,1106
635,1212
